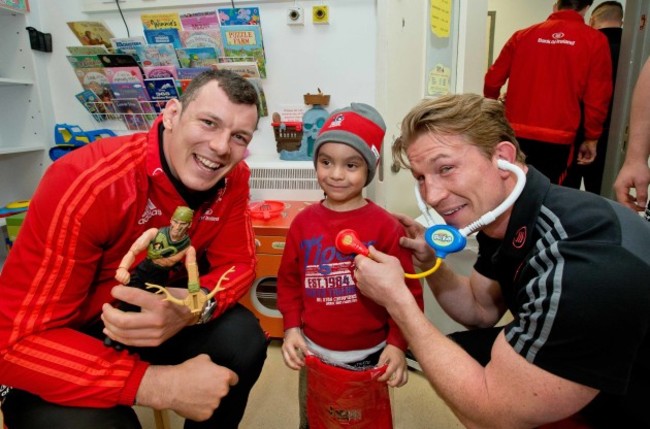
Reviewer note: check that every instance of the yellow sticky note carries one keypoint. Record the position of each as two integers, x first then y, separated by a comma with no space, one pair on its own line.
440,17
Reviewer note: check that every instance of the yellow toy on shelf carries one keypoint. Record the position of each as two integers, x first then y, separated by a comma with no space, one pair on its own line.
69,137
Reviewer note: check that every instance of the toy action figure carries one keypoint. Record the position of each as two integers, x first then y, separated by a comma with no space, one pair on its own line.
165,247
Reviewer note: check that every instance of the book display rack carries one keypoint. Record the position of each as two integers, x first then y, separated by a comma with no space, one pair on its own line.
126,82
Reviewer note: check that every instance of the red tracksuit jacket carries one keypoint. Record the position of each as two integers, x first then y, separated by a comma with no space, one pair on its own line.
552,67
90,207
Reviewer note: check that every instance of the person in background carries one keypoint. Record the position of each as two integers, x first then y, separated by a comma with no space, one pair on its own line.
607,17
635,173
552,69
569,266
59,295
323,312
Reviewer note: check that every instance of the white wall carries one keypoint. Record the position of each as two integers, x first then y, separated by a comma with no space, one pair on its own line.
338,58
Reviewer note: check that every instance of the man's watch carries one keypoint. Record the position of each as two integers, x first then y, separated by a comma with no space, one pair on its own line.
208,309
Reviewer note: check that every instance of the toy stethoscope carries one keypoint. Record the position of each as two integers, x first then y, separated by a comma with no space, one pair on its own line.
444,239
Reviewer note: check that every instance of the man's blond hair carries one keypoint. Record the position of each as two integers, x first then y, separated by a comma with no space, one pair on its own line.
481,121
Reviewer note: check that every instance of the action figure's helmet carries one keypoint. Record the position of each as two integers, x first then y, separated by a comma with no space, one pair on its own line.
183,214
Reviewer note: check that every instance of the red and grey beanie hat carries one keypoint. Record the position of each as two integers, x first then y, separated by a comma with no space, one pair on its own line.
359,126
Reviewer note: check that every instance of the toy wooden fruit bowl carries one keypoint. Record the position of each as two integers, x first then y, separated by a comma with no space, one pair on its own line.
319,99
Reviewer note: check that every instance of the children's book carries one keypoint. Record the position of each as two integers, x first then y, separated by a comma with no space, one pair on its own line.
182,85
163,35
158,72
92,103
196,57
90,77
156,21
126,45
244,41
127,42
202,38
95,80
185,76
262,109
84,61
87,50
239,16
242,59
118,60
247,69
130,90
157,55
20,6
132,114
191,72
199,20
124,74
91,32
135,90
160,91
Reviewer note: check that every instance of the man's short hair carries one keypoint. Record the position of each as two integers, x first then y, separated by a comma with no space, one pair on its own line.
237,89
574,4
608,11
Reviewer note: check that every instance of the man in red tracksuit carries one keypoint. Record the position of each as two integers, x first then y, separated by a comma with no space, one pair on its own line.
59,292
553,68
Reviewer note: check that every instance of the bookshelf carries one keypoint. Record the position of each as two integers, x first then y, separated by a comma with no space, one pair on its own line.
23,138
21,119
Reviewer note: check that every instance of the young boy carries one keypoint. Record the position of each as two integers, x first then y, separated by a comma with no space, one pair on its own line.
323,311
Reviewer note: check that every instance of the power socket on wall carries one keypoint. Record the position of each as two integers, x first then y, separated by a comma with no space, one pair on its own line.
295,16
320,15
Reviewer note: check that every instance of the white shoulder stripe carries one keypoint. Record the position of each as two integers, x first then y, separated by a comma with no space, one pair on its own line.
538,314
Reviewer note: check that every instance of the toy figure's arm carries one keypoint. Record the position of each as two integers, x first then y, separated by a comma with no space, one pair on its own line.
122,274
193,285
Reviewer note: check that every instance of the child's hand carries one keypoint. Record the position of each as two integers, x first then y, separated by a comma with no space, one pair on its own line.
294,348
396,374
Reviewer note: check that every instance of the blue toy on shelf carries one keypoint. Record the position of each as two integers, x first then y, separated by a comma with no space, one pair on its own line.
312,121
14,208
70,137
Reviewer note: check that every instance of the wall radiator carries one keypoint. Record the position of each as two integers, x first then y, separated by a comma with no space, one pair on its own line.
285,184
